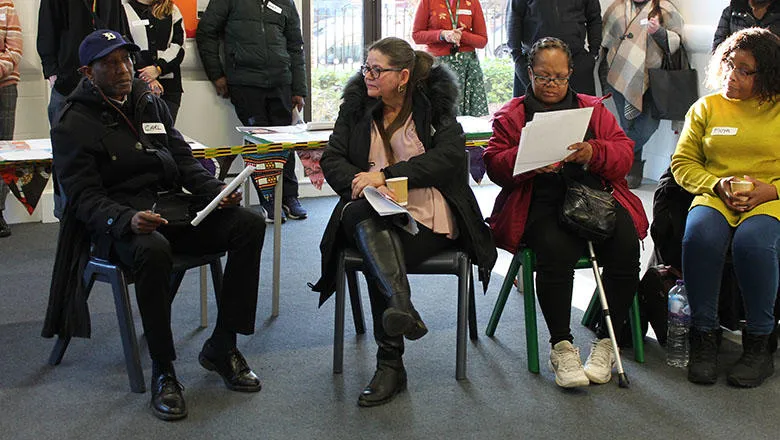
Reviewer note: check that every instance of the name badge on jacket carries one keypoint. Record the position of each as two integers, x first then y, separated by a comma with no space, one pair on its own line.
463,12
153,128
724,131
274,8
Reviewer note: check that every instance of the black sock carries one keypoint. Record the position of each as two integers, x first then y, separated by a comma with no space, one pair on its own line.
160,367
223,340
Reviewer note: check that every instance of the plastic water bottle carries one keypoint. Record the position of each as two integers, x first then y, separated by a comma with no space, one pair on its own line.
677,343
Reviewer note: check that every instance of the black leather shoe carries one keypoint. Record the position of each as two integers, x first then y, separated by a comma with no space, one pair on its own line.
167,398
5,230
232,367
389,380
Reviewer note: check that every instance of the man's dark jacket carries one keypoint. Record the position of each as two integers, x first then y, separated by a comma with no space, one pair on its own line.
739,15
109,172
444,166
573,21
62,25
263,43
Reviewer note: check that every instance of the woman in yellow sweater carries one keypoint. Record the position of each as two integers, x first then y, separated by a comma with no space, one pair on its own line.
732,136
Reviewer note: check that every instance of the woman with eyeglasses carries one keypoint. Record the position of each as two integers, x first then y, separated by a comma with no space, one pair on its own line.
728,157
451,30
526,210
397,119
637,33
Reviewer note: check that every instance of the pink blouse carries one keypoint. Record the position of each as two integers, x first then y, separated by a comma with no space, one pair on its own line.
426,205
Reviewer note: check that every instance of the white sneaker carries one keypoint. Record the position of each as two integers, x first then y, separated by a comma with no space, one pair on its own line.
600,361
566,363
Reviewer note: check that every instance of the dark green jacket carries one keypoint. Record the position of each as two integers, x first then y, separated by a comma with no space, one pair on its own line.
263,43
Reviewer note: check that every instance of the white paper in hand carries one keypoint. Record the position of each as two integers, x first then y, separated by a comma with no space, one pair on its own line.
384,206
545,140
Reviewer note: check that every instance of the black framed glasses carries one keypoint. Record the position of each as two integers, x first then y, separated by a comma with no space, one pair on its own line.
546,80
374,72
740,72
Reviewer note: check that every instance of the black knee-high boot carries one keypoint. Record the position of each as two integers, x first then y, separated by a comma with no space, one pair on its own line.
390,376
383,260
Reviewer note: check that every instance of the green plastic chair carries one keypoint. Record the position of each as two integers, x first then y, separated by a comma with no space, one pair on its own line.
527,259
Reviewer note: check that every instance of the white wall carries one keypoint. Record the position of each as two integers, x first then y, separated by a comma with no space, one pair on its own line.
211,119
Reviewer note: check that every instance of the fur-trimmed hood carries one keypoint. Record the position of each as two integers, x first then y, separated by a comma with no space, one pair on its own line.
440,90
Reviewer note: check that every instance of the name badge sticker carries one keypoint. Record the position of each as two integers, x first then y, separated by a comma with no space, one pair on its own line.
724,131
153,128
138,23
274,8
463,12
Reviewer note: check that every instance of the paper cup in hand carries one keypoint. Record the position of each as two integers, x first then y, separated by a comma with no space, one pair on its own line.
741,186
398,185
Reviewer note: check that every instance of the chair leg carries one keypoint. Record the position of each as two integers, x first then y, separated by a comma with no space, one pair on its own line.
338,331
636,331
356,303
503,294
473,331
58,351
127,330
463,313
590,312
204,292
529,302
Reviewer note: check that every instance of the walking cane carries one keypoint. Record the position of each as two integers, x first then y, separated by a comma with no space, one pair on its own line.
622,378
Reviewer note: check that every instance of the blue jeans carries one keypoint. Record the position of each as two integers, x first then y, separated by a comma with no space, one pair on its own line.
639,129
755,250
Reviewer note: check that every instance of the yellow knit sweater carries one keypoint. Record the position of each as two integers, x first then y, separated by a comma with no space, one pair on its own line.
724,137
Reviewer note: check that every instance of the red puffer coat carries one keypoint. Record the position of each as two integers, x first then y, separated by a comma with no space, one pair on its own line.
613,154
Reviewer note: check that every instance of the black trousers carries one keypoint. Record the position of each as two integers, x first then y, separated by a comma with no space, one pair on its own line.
416,249
557,251
238,231
582,79
258,106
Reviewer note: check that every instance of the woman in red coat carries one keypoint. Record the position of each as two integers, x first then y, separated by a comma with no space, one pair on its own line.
526,210
451,30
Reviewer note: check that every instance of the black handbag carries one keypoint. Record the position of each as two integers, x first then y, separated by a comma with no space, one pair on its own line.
588,212
674,87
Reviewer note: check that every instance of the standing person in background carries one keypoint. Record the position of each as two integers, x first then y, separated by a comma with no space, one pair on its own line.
263,75
62,25
157,27
741,14
10,55
573,21
637,33
451,30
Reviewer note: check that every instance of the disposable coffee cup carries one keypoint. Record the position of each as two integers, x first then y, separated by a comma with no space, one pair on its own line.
398,185
741,186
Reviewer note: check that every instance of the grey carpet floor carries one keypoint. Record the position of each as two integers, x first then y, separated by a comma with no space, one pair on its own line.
88,396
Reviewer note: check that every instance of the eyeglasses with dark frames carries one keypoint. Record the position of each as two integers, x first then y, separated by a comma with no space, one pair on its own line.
374,72
741,72
546,80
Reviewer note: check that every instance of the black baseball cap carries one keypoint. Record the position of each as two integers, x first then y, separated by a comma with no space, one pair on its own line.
101,43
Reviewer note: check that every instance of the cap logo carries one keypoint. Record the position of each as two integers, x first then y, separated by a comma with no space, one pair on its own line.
109,36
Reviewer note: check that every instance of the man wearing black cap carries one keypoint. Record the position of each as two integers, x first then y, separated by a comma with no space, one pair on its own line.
119,159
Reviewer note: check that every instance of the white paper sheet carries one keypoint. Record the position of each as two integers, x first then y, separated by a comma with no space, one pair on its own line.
229,188
384,206
545,140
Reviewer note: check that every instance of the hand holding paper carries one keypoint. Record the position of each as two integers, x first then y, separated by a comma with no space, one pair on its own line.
229,188
546,139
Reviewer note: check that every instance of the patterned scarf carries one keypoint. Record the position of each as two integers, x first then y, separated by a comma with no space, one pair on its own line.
631,52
